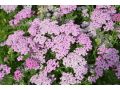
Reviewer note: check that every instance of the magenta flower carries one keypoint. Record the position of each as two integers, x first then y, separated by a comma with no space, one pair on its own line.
116,17
31,64
18,75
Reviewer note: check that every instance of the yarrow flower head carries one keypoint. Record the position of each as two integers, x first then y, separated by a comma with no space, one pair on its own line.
51,65
18,75
116,17
23,14
117,70
31,64
108,58
78,64
68,79
65,9
20,58
61,45
4,70
34,27
18,42
44,78
85,41
102,18
41,79
70,29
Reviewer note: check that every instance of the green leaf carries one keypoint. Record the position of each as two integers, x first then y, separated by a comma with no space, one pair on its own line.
7,80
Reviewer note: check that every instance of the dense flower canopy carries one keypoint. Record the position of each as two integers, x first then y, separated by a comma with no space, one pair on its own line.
59,44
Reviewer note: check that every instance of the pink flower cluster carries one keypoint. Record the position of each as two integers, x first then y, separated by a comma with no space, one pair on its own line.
18,42
65,9
79,66
48,35
31,64
61,45
43,78
85,41
117,70
101,17
68,78
23,14
108,58
18,75
116,17
20,58
4,70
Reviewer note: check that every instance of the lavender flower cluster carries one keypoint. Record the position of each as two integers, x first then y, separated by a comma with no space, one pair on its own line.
23,14
59,42
4,70
107,58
